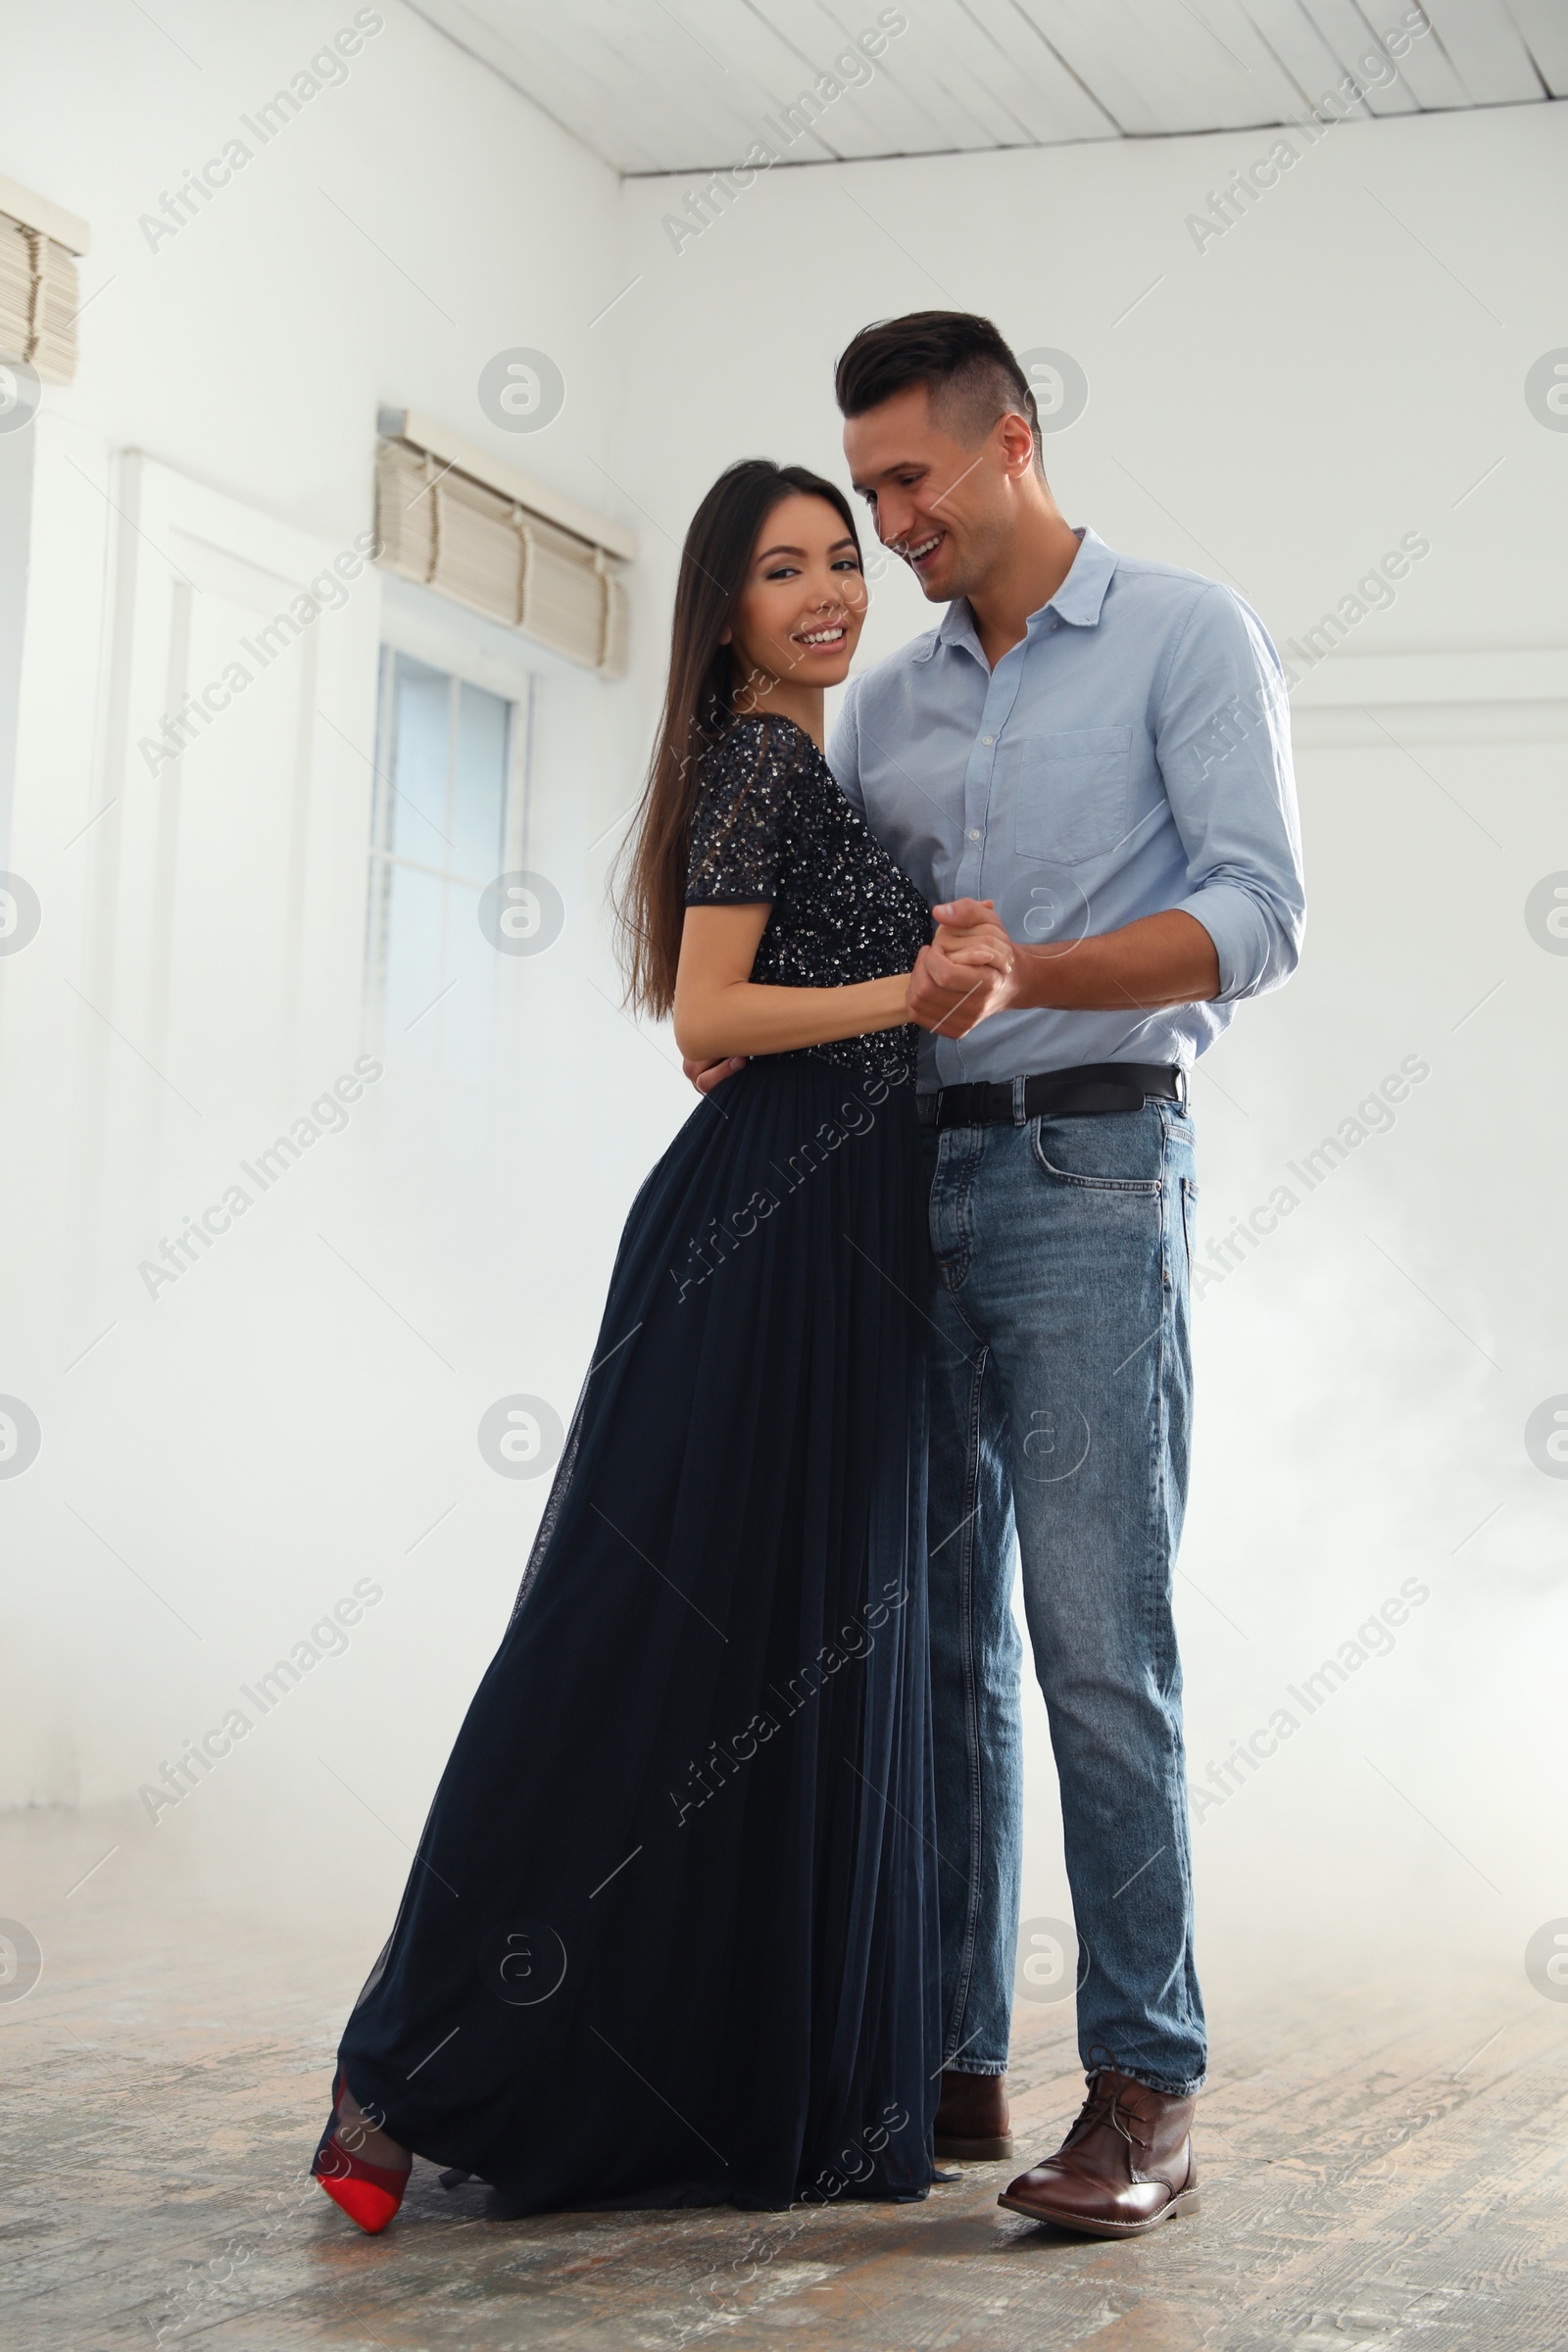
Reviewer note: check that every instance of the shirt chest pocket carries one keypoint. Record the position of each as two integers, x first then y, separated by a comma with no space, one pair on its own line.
1075,795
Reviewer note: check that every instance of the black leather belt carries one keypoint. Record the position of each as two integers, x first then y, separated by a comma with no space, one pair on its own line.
1093,1086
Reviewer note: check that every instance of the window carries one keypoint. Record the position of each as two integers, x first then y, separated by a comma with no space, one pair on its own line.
445,817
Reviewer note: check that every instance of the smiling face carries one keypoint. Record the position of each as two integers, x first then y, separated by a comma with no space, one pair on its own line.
799,617
948,509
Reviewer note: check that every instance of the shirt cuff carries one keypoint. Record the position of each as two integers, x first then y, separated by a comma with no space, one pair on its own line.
1236,924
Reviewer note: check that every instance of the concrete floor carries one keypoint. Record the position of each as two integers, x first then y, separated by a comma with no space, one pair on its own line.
1384,2167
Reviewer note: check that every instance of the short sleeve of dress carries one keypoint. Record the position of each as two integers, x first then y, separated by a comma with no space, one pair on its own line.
740,825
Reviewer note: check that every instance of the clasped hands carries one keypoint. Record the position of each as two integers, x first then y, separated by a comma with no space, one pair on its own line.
966,972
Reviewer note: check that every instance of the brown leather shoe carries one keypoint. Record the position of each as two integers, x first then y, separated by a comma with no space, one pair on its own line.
1125,2167
971,2123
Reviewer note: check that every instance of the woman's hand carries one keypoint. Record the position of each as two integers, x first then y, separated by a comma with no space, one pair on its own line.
705,1075
967,971
979,940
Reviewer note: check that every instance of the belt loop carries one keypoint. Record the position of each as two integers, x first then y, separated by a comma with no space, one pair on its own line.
1019,1114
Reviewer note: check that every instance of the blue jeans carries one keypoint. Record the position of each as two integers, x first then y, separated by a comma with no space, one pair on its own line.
1061,1398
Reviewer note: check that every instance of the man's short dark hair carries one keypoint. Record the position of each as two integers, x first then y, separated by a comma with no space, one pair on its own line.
969,370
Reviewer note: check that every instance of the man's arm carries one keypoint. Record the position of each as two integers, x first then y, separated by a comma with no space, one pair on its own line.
1222,737
843,747
1165,958
1222,741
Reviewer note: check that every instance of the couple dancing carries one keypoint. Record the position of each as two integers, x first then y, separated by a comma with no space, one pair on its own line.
718,1895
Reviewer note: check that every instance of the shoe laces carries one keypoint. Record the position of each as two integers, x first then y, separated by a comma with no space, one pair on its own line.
1104,2105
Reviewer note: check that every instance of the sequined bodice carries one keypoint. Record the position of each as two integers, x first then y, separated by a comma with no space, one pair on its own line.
771,823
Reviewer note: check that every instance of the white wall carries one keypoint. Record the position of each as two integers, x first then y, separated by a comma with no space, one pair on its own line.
232,1454
1279,410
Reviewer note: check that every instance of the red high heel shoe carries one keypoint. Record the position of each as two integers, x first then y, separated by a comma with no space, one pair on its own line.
369,2193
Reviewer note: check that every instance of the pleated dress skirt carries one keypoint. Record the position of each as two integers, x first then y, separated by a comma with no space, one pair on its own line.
670,1938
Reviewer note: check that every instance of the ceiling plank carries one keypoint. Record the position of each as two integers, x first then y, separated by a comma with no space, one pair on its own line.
1012,53
1160,67
1076,33
692,74
1310,64
1489,56
777,59
1344,26
1220,62
1424,66
1542,26
945,63
906,108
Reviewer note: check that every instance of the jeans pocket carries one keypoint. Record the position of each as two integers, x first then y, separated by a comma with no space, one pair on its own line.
950,1217
1083,1152
1189,1218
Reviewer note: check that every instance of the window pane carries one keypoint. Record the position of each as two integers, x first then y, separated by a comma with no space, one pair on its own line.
479,794
442,760
417,808
416,948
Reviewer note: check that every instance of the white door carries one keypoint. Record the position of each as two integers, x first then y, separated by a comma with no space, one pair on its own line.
194,774
245,660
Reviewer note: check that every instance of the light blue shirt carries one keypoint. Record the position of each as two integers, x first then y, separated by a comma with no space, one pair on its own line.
1132,753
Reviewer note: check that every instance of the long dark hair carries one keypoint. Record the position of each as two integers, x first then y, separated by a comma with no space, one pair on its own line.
698,707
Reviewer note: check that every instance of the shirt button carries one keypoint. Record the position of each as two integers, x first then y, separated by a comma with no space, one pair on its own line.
974,837
988,739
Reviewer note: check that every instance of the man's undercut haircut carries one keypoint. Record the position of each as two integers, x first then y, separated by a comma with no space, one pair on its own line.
968,369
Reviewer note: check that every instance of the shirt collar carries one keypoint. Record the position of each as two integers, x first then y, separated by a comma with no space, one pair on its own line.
1077,601
1083,592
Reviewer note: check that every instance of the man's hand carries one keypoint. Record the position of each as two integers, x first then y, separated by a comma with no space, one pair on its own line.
705,1075
966,973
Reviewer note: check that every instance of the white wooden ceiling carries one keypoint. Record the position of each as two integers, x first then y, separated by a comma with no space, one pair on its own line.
679,86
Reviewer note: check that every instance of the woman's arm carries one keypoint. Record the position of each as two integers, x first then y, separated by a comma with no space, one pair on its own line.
719,1010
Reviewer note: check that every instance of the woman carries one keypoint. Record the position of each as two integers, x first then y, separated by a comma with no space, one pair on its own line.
670,1937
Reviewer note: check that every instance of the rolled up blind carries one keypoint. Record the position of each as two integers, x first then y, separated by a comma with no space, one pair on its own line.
38,300
440,526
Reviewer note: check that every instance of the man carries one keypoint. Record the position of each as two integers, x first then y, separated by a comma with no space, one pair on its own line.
1100,745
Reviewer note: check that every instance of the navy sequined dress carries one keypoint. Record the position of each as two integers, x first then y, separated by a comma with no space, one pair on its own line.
671,1939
